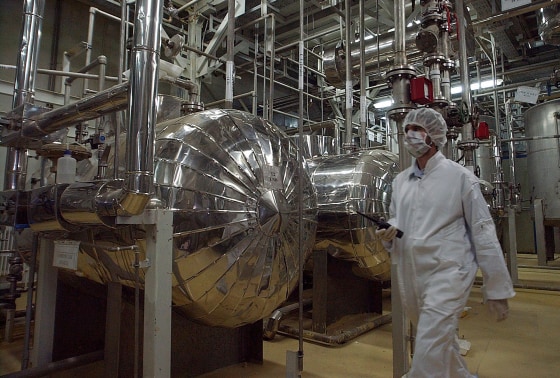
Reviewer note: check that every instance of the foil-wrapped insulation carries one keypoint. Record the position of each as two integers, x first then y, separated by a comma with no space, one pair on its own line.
231,180
316,145
43,210
346,183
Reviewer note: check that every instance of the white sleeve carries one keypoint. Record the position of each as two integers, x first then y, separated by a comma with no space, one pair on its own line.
497,281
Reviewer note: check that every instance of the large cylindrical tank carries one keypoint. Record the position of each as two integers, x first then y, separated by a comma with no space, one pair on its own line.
543,156
232,181
358,181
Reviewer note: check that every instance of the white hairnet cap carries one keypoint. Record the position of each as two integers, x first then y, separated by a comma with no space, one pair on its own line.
431,121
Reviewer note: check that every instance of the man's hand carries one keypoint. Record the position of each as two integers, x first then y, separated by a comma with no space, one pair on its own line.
386,234
499,307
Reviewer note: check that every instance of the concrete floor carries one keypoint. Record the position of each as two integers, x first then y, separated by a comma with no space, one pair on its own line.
525,345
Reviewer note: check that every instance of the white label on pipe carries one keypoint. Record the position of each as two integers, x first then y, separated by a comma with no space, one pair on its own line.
300,64
349,97
229,81
363,109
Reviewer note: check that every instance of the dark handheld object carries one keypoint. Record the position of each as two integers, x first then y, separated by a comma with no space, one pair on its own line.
380,223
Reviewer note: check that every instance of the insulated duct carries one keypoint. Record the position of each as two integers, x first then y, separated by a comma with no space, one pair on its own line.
139,181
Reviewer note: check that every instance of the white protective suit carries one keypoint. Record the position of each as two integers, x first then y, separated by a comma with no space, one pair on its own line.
448,234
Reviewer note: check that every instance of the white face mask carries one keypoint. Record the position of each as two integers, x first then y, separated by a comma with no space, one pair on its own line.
415,143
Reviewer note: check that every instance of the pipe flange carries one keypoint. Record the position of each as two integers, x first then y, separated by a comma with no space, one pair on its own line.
431,18
449,64
441,102
434,58
405,71
191,107
452,133
467,145
398,112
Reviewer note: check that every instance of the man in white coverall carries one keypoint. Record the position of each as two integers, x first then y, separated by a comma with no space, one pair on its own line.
448,235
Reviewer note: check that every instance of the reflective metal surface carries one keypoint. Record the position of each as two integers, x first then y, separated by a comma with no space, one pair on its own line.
346,183
549,24
316,145
232,181
543,156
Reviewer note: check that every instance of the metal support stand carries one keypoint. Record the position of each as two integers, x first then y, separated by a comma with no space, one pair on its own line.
157,290
113,329
43,334
539,231
157,296
400,350
512,254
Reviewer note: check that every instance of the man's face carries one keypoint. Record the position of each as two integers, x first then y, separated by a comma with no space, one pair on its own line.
418,128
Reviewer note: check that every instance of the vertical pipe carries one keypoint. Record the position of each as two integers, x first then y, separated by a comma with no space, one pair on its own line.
512,177
122,65
349,96
463,58
363,79
401,96
467,129
271,73
142,101
24,85
89,43
255,72
230,54
400,33
300,183
29,307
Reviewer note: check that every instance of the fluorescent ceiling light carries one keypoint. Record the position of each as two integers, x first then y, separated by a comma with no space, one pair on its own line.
383,104
474,86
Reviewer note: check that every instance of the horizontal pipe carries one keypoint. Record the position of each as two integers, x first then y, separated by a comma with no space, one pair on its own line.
41,371
339,338
104,102
101,59
515,12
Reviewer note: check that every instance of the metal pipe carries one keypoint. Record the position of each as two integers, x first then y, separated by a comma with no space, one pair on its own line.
377,56
214,103
184,6
255,68
29,307
498,202
104,102
101,60
363,78
24,85
271,72
122,65
515,12
230,76
512,177
349,87
463,58
57,366
139,180
327,124
468,143
301,244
